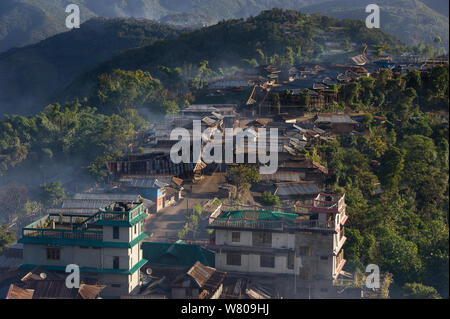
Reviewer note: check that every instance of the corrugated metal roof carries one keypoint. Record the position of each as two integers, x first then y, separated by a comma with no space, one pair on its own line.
107,196
86,203
207,278
336,119
73,211
90,291
254,294
52,289
177,181
209,121
147,182
15,292
35,274
49,285
292,189
283,177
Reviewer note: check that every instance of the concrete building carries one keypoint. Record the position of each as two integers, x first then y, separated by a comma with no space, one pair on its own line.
300,250
106,246
150,188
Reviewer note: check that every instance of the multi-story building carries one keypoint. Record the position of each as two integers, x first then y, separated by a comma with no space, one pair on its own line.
301,250
106,245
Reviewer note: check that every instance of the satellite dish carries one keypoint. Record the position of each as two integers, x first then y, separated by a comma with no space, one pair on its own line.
43,275
148,271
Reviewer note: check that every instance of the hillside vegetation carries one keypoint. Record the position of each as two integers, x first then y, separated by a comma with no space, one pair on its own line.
270,37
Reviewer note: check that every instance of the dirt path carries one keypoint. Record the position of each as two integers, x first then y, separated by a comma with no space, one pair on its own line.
166,224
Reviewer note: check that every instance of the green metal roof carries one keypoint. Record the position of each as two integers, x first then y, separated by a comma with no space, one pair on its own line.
177,254
262,215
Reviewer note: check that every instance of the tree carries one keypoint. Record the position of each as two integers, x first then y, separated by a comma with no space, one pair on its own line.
399,256
419,291
121,90
243,176
198,209
391,170
193,222
170,107
6,237
269,199
52,194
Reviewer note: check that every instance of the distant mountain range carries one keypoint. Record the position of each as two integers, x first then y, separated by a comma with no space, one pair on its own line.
410,20
29,75
25,22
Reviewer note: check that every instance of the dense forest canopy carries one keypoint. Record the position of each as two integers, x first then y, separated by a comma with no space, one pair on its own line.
403,229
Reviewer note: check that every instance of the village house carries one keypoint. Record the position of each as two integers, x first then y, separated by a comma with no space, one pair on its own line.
106,246
308,169
299,250
296,191
200,282
336,123
43,284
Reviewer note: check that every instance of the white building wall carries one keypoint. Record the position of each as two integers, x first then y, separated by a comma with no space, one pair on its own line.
279,240
124,234
251,263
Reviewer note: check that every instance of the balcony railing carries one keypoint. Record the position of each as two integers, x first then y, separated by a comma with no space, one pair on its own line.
62,234
319,205
282,224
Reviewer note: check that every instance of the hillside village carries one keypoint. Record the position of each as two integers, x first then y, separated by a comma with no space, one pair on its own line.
160,230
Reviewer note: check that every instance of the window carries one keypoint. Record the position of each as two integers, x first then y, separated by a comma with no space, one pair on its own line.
304,251
262,239
323,257
323,290
115,232
235,237
290,261
115,262
304,273
267,261
233,259
53,253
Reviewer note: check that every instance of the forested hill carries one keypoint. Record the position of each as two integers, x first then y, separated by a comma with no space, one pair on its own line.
30,75
271,36
24,22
